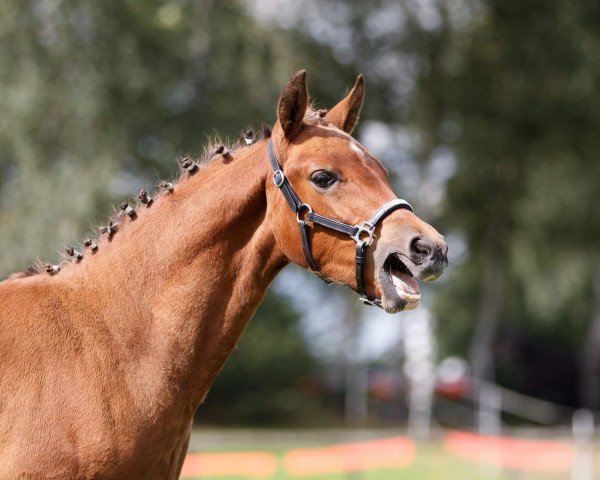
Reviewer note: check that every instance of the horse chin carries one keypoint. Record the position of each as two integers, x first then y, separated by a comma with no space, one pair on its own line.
399,288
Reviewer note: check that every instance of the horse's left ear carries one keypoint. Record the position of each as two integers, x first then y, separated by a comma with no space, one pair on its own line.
292,105
345,114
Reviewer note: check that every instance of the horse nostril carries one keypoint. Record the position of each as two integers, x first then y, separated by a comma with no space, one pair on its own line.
421,247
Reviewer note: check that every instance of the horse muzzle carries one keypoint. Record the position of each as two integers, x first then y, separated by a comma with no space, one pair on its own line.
398,272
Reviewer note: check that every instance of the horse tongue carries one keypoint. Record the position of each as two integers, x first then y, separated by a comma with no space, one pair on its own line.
406,283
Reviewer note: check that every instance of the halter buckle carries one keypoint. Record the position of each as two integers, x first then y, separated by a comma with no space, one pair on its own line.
278,178
303,206
372,303
364,228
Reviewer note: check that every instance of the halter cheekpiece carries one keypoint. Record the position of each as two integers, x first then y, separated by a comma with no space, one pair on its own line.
361,234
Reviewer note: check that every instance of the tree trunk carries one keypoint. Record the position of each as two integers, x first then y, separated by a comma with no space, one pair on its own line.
492,299
357,372
492,303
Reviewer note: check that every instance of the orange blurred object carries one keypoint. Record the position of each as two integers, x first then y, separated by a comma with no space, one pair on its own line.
396,452
249,464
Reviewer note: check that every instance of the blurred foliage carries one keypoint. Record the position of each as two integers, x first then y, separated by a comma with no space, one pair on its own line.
485,113
92,93
271,378
525,184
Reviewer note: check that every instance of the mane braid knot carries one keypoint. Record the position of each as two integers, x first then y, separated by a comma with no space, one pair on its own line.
144,198
189,165
249,137
52,269
89,243
128,209
168,186
71,252
222,150
110,229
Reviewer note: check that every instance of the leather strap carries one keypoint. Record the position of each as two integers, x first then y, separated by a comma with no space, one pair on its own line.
306,246
360,260
281,182
386,209
332,224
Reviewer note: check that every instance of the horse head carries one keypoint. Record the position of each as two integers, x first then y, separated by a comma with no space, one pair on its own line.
336,190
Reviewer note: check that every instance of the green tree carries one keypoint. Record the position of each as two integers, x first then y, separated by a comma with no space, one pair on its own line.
507,88
524,97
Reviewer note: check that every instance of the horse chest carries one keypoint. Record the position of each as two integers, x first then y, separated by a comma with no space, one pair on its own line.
77,430
158,454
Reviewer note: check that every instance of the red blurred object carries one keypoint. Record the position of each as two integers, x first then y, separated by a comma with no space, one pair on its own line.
453,390
382,386
525,454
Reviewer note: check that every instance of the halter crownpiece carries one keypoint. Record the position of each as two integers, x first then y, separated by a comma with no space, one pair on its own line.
361,234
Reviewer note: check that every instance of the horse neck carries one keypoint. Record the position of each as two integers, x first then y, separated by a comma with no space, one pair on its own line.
181,281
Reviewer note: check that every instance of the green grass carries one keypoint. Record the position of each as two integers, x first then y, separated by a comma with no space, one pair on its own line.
437,470
431,463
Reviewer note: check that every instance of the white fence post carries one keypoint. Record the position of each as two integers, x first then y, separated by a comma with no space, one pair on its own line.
490,408
583,445
419,368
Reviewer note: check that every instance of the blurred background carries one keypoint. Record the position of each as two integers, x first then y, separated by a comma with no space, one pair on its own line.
486,114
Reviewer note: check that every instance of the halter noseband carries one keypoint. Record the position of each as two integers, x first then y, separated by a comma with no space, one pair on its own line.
361,234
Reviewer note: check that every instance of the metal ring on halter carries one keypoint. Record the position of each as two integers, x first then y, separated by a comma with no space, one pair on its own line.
363,229
278,178
301,207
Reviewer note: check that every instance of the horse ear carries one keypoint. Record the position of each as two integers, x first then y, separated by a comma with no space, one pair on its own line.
292,105
345,114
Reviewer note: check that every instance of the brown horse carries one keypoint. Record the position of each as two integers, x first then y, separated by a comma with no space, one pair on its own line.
104,359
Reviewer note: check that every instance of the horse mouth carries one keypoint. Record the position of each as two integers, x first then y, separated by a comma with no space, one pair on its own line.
399,288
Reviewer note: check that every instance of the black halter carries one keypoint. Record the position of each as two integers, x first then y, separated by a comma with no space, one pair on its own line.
361,234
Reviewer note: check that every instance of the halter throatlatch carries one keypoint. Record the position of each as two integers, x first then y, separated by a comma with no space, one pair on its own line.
361,234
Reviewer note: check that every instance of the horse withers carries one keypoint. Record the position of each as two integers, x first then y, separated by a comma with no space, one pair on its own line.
105,357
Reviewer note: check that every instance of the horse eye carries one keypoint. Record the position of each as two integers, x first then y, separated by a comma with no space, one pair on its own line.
323,179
